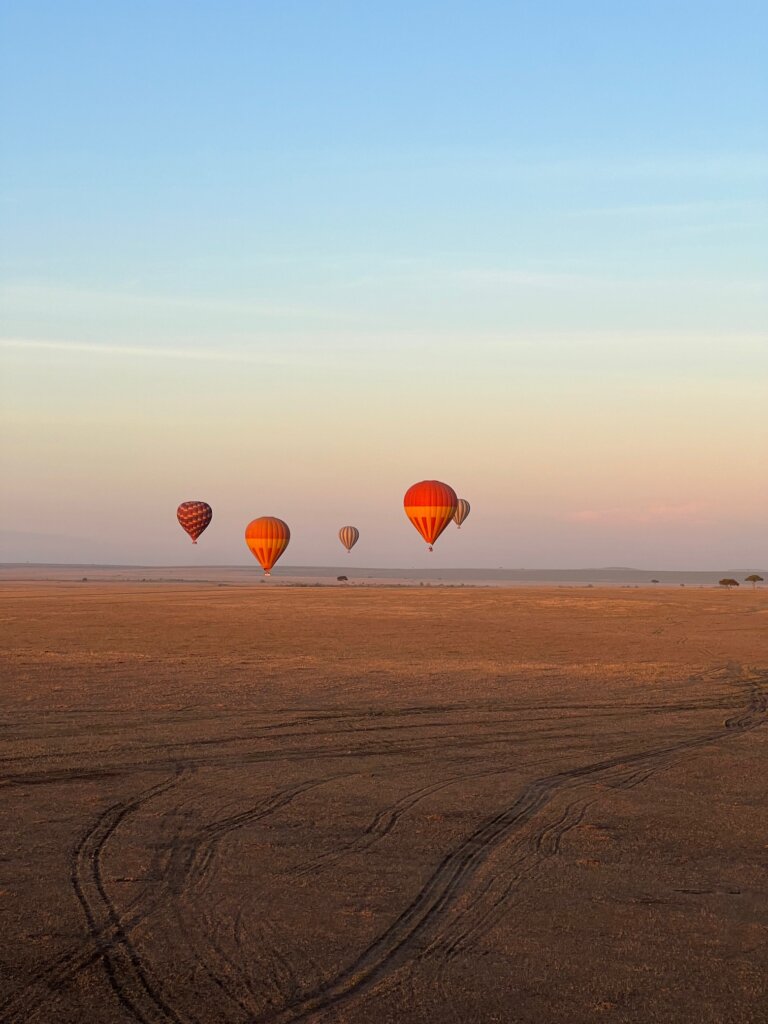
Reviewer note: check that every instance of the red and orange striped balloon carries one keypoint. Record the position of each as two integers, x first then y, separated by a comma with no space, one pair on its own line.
430,505
194,517
349,536
267,538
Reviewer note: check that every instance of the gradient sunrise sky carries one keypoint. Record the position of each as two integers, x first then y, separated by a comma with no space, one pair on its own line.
290,257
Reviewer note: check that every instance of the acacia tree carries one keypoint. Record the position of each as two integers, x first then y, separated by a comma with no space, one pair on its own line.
754,579
728,583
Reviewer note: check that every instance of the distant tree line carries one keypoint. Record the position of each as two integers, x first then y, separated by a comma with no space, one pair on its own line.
754,579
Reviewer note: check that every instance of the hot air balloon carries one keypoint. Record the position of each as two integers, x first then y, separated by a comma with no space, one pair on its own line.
430,505
267,538
462,511
194,517
349,536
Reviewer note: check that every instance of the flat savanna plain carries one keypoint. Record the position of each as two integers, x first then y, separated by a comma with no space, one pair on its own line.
225,805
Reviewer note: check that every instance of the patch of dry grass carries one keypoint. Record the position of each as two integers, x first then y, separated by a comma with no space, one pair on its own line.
382,805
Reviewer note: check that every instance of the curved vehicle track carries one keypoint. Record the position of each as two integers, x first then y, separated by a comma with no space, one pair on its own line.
187,860
423,920
464,897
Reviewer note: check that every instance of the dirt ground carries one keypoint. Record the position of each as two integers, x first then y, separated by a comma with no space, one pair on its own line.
229,805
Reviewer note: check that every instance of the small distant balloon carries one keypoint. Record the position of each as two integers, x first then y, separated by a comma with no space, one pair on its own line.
267,538
349,536
194,517
462,511
430,505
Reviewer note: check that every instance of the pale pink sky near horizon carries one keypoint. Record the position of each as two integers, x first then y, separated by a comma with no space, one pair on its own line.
563,467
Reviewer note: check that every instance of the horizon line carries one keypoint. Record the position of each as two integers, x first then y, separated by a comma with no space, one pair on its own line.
358,568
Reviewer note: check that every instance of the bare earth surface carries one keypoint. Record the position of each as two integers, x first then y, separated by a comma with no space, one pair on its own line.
226,805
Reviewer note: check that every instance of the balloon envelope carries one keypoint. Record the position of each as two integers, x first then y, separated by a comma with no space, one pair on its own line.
349,536
430,505
194,517
267,539
462,511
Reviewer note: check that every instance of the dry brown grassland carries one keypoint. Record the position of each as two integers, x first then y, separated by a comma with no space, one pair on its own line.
230,805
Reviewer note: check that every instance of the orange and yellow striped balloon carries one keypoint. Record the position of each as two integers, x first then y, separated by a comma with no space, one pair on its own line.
267,538
349,536
430,505
462,511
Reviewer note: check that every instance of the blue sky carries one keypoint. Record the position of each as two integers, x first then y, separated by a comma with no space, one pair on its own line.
517,246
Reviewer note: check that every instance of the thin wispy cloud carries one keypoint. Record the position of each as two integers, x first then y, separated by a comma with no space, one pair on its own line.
145,352
74,296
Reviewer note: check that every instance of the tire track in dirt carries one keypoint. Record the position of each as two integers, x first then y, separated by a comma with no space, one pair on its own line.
382,823
366,750
282,981
623,776
531,852
419,924
202,847
385,820
104,934
43,776
480,913
483,909
460,742
144,999
188,858
196,855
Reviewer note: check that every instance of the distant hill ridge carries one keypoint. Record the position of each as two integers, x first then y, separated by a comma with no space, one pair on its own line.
247,573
